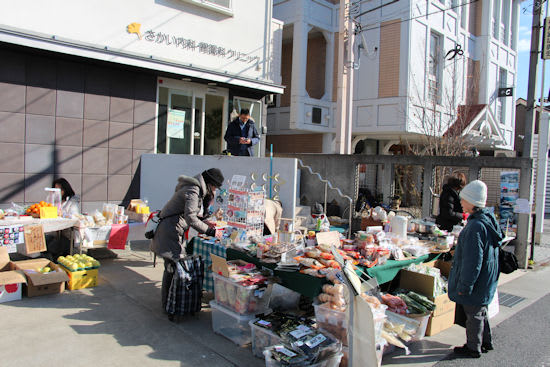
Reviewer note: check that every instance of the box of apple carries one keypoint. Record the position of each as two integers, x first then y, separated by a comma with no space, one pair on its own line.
78,262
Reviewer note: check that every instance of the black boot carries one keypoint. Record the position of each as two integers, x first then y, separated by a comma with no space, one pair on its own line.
466,352
486,348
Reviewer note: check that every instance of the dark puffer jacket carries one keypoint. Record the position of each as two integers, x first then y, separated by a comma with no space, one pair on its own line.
474,273
450,210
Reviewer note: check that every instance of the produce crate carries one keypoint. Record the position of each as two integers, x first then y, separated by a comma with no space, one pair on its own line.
80,279
262,338
240,299
423,320
412,324
231,325
331,362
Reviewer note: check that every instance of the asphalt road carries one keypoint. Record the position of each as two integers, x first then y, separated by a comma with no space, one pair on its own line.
521,340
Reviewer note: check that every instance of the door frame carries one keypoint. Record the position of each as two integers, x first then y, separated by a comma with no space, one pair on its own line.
196,90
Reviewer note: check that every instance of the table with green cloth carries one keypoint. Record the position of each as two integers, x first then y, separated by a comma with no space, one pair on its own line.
310,286
304,284
205,247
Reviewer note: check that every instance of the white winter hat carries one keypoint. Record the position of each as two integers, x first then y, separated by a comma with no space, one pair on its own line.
475,193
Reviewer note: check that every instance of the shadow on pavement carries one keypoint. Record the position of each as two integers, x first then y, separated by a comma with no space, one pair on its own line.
423,351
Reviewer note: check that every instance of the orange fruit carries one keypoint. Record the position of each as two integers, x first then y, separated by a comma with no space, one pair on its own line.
42,203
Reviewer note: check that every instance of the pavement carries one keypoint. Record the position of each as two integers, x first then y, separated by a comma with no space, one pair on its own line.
120,323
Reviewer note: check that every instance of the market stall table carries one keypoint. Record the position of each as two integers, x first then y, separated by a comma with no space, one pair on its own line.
48,226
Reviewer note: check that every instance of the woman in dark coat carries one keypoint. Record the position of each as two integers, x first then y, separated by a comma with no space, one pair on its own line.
187,208
474,273
450,210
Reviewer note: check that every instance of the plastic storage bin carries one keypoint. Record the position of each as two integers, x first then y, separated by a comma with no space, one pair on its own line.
230,324
241,299
262,338
331,362
336,323
417,325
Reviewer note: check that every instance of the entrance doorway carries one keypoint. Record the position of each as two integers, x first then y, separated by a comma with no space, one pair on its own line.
190,118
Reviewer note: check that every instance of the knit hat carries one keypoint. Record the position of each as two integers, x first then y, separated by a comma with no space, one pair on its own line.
213,176
475,193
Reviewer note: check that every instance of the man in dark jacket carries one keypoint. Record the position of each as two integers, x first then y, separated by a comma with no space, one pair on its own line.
474,273
241,135
450,210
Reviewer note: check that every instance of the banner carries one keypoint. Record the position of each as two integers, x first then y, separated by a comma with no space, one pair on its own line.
175,124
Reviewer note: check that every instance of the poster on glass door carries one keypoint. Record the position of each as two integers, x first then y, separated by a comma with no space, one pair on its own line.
175,124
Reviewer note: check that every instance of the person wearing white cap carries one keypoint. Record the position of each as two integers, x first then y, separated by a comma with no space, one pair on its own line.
474,273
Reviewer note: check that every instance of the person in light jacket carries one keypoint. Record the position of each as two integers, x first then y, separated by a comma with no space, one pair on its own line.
187,208
475,270
241,135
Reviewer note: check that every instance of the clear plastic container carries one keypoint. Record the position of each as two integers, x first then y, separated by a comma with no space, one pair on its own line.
411,324
231,325
330,362
261,339
333,321
241,299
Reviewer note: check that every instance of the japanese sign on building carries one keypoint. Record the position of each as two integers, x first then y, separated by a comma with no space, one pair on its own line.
190,44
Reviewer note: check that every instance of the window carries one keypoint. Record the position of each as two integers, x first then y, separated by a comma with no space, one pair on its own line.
222,6
495,20
316,115
434,68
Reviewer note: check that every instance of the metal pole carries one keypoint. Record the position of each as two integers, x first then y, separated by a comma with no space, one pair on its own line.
532,86
345,77
326,194
542,165
270,170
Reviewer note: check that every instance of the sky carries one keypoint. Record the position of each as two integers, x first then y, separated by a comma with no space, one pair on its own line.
524,45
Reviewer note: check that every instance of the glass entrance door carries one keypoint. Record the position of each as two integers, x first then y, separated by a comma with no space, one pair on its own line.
190,119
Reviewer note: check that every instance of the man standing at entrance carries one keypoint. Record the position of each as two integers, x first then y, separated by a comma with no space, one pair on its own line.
241,135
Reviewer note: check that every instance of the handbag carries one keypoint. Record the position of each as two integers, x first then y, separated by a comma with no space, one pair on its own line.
153,221
507,261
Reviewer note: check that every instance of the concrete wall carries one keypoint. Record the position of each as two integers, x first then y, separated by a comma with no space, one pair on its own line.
159,175
70,118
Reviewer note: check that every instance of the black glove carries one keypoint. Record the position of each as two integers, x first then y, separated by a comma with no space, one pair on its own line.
211,231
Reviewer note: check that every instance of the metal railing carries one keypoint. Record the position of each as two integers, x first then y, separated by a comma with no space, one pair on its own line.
328,185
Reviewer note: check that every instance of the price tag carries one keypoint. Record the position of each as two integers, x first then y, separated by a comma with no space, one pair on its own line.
298,334
285,351
316,340
264,323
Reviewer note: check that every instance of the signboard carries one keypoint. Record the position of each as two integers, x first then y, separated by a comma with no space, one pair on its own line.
509,193
175,124
545,54
506,92
11,236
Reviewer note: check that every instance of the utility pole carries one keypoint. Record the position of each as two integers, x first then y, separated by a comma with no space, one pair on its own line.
532,86
345,79
525,220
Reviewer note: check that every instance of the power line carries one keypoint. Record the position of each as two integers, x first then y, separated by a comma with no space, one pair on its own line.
416,17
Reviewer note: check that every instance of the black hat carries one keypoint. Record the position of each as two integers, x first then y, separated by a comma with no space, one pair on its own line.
213,176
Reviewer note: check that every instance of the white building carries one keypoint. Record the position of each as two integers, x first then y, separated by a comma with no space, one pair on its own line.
87,87
405,84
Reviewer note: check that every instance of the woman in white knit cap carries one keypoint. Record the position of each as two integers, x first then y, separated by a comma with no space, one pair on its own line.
474,273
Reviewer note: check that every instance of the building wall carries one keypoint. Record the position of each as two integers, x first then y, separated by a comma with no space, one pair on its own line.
316,64
286,73
299,143
68,117
388,80
180,32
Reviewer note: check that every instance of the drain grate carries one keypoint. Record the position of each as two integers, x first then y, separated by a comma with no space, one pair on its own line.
509,300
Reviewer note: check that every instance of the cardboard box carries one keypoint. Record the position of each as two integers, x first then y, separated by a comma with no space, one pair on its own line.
443,316
39,284
11,281
34,240
81,278
444,267
437,324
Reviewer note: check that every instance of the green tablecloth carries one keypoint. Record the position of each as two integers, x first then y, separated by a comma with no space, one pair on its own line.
385,273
